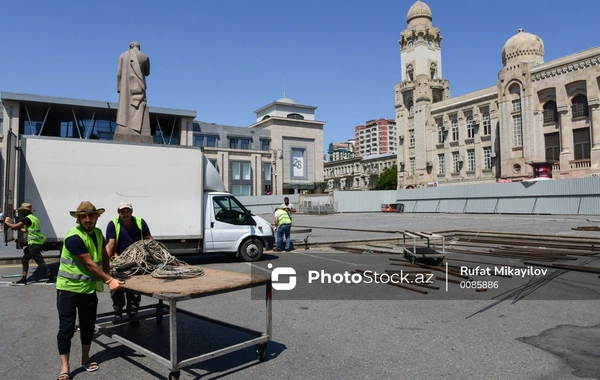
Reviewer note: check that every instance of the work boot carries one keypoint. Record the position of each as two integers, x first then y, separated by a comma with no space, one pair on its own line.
22,281
51,280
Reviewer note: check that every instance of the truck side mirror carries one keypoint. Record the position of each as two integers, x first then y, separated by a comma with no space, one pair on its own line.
249,219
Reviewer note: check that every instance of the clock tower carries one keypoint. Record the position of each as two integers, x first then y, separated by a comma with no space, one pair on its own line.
421,85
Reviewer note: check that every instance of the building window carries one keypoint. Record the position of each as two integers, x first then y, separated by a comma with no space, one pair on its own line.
411,138
550,113
471,160
516,105
441,133
470,127
441,164
205,141
239,143
265,145
517,131
411,108
455,130
487,124
241,178
487,157
412,166
581,143
552,142
579,106
295,116
298,164
455,162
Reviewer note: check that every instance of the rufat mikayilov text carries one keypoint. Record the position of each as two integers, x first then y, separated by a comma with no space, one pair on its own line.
503,270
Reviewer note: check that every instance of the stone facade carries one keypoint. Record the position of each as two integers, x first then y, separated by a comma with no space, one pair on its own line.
357,173
536,112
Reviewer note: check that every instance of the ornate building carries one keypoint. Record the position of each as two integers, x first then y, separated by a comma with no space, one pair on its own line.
536,112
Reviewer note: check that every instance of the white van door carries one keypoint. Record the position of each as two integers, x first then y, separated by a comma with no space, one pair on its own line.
228,223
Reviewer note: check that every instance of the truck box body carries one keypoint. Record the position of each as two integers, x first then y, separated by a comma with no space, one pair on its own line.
171,187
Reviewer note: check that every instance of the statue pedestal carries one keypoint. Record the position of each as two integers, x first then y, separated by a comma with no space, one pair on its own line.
129,135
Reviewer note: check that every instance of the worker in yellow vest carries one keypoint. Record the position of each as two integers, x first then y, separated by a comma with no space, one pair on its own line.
84,267
35,239
283,226
121,232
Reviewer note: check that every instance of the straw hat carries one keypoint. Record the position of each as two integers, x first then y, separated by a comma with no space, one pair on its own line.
86,207
26,206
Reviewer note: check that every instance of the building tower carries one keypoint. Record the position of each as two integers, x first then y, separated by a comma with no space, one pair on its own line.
421,85
522,138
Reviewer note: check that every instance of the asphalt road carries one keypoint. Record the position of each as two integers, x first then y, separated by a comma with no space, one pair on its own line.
332,331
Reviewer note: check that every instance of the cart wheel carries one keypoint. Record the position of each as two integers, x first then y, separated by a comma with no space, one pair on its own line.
261,352
174,375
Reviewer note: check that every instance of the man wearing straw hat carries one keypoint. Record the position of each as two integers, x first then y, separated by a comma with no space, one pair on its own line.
33,250
84,266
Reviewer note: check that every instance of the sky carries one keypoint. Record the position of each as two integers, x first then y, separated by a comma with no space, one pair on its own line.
227,58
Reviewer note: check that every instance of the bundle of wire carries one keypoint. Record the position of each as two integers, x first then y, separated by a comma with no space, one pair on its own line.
150,257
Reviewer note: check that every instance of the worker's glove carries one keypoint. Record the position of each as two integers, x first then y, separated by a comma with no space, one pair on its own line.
114,284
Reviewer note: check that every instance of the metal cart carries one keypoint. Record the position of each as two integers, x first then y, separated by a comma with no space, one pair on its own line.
169,292
426,255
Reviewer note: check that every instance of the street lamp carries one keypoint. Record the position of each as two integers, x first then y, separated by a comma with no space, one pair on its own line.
274,155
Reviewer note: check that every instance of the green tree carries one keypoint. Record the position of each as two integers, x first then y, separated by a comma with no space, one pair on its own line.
388,179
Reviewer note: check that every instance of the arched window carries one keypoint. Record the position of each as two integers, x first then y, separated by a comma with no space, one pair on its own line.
550,114
515,95
579,106
266,117
441,133
487,125
454,130
295,116
470,127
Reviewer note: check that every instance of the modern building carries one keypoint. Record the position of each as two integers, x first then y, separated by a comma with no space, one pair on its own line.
340,150
536,112
279,154
377,136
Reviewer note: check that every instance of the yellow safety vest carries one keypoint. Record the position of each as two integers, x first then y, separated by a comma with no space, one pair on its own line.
34,232
138,221
73,276
283,218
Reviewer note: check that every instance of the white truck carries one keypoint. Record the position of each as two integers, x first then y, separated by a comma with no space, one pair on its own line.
175,189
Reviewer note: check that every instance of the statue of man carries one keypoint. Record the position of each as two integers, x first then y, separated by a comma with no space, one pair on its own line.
133,119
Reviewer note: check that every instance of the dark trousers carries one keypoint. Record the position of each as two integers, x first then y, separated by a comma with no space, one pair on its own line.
70,305
133,300
33,251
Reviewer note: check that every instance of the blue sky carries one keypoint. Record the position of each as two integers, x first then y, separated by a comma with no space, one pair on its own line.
227,58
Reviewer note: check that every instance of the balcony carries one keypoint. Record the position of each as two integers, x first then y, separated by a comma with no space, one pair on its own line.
579,164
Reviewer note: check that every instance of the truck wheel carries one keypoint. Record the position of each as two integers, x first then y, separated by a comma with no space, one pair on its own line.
251,250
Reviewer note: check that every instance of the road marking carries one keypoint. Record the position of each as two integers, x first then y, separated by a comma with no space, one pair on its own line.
257,267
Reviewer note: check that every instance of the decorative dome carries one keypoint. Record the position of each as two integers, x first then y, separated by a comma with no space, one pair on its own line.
523,47
286,100
419,10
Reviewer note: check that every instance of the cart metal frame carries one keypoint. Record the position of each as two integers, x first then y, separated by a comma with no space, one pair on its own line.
413,253
260,340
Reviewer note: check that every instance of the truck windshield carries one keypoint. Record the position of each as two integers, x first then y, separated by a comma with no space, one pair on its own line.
229,210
